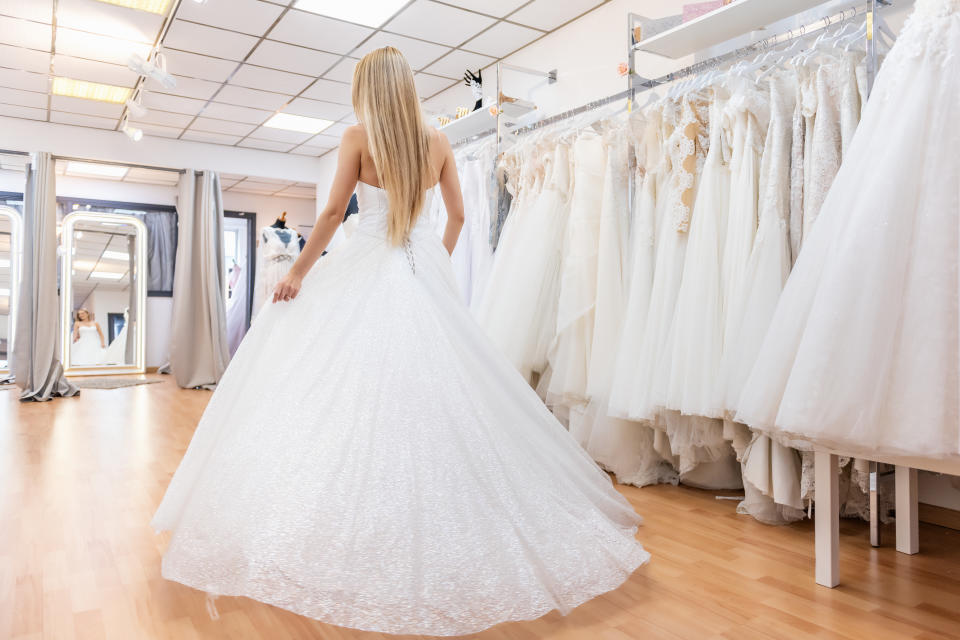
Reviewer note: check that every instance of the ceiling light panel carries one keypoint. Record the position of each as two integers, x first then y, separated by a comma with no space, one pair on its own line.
550,14
89,90
436,22
292,122
208,41
25,59
278,55
418,53
107,275
270,79
115,255
310,30
502,39
96,170
371,13
159,7
246,16
108,19
99,47
330,91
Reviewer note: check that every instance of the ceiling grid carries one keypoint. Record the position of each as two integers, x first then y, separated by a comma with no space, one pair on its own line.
240,62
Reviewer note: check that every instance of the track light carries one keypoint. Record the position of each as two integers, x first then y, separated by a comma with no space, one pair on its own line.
156,70
131,132
136,109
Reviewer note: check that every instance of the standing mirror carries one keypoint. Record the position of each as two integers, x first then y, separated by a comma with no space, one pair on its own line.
103,293
11,240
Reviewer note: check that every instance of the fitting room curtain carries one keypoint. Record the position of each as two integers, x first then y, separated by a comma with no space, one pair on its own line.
199,350
36,351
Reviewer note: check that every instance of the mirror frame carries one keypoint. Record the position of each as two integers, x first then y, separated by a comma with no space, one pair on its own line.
66,292
16,264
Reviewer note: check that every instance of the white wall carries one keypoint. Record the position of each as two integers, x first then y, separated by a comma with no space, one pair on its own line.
301,213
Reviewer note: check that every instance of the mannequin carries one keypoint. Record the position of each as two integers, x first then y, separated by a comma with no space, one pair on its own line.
277,247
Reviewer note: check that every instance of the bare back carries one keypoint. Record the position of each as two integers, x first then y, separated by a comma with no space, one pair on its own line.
368,172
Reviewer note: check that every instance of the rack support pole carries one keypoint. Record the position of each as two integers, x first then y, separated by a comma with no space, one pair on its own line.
827,518
908,522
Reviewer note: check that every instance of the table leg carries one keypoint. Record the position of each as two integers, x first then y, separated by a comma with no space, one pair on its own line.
827,518
908,522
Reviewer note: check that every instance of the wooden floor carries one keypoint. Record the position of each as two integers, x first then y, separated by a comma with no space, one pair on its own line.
81,477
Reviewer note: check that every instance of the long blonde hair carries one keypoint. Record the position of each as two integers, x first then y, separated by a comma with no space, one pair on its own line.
385,101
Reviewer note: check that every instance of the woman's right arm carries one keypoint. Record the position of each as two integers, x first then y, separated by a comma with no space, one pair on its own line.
344,184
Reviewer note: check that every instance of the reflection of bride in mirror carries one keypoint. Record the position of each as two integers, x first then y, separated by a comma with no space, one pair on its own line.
88,343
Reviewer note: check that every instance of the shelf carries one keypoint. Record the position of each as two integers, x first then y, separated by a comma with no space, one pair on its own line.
735,19
482,120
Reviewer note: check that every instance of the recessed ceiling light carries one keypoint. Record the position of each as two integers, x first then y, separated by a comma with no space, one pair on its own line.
90,90
106,275
115,255
372,13
94,170
4,293
303,124
153,6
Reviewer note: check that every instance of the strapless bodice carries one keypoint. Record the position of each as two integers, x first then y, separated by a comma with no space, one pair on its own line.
373,210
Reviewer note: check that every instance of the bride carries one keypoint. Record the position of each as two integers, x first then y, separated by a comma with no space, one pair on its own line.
369,459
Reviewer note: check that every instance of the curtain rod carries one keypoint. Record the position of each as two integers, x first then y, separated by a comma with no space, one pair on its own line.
8,152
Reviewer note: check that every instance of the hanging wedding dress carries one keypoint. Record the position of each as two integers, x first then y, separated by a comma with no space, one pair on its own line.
399,476
278,248
862,351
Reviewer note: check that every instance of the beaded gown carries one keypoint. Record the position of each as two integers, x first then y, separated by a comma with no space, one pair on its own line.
386,468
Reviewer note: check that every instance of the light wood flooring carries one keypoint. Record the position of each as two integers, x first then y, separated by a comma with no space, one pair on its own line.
81,477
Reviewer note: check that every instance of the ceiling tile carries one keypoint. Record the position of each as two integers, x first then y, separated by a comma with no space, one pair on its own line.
16,111
498,8
241,96
246,16
456,62
350,119
549,14
317,109
82,120
176,104
211,125
93,71
298,192
418,53
25,59
267,145
330,91
307,150
323,140
436,22
336,129
244,187
280,135
428,85
87,107
343,71
24,80
22,33
108,19
209,41
317,32
502,39
36,10
23,98
98,47
293,58
236,113
267,185
155,130
188,87
270,79
166,119
182,63
204,136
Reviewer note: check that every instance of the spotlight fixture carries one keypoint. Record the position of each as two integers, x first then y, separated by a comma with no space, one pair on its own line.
155,69
136,109
132,132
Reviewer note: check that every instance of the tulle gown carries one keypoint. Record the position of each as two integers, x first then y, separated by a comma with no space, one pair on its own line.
370,459
862,352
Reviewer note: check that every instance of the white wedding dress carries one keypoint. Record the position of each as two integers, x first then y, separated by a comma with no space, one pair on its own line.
87,350
371,460
862,351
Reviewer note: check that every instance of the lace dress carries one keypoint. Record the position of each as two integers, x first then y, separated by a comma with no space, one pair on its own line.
278,248
862,352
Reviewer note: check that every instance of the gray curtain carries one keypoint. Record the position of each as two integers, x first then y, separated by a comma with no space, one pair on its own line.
199,351
161,249
36,351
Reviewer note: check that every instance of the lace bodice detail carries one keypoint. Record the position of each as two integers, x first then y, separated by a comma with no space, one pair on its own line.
279,243
687,146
